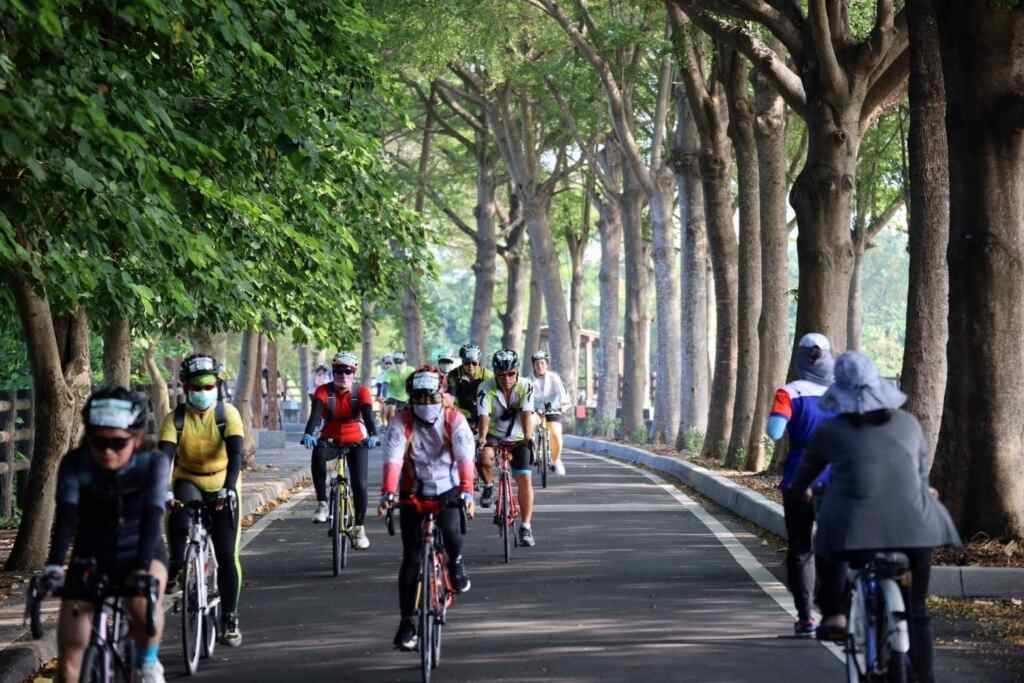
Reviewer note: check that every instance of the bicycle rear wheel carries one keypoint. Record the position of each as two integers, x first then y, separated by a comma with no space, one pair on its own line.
191,614
93,665
426,613
336,549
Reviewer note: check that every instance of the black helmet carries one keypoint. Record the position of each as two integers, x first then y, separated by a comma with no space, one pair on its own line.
196,365
115,407
505,360
425,385
470,353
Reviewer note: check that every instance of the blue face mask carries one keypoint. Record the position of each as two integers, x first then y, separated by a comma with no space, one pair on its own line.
201,400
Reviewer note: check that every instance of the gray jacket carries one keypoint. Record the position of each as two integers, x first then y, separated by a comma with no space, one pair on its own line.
877,497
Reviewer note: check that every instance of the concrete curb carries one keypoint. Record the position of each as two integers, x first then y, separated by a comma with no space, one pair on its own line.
948,582
25,657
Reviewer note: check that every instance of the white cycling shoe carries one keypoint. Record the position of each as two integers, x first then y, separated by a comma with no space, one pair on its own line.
560,469
320,516
152,673
359,539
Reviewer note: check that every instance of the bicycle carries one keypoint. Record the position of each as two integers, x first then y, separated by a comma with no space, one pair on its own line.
435,593
341,509
199,603
543,446
878,640
110,655
506,507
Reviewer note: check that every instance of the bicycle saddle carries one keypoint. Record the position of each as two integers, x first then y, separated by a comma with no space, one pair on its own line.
890,564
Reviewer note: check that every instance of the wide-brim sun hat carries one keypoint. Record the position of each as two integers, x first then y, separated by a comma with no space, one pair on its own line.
858,388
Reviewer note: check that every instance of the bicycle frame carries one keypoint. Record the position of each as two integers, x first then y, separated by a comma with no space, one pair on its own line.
877,623
506,509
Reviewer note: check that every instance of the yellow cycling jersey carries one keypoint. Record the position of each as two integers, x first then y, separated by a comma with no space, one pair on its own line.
201,456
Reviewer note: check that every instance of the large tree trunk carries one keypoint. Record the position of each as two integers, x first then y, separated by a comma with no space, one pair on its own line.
368,361
273,391
773,327
666,279
978,465
303,352
577,244
634,372
412,321
246,388
59,356
924,355
535,319
203,341
854,317
484,267
117,353
741,128
514,333
257,394
694,370
610,228
158,394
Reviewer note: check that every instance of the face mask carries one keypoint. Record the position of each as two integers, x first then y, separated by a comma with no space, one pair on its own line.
201,400
428,413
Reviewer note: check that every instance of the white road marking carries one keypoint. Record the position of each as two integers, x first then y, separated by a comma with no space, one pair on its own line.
743,557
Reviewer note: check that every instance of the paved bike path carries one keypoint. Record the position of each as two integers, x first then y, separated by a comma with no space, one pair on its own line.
625,584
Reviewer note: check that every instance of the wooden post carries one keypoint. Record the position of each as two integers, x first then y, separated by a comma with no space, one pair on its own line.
590,369
8,447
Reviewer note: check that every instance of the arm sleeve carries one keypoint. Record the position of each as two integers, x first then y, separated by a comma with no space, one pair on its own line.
813,461
233,445
464,453
315,411
66,521
563,399
152,511
368,419
776,426
483,403
394,452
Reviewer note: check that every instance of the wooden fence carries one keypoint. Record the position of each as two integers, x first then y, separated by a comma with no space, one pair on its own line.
17,433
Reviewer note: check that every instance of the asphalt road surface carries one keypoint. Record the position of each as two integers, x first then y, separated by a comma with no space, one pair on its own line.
629,581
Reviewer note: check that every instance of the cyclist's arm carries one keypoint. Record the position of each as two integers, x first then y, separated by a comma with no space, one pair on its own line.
66,522
561,398
152,512
233,444
316,410
483,412
464,452
813,462
526,413
782,411
394,454
168,443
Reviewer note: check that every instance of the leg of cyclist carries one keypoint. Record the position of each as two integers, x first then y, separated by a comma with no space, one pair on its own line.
178,525
799,515
408,577
920,623
74,626
487,471
147,647
358,458
524,487
318,467
831,597
554,425
451,534
226,534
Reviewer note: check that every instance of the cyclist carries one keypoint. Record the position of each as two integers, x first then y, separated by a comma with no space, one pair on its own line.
548,390
796,409
428,454
395,379
878,497
203,438
445,361
380,387
110,501
347,411
464,382
508,397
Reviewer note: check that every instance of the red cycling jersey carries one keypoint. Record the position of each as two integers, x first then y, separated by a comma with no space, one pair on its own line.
343,427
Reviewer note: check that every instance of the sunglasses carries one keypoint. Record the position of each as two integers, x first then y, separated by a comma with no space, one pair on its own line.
204,387
102,443
505,375
344,371
471,362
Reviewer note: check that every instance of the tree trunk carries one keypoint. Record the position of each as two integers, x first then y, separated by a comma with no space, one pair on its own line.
257,394
854,318
634,371
666,280
577,244
741,129
694,370
273,390
773,327
610,228
59,357
304,375
485,265
513,332
117,353
535,318
158,394
367,361
924,357
246,388
203,341
413,326
978,465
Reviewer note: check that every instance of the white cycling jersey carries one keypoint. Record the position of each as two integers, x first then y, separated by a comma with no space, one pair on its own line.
549,389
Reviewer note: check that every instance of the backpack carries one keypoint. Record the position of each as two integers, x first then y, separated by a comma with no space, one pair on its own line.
354,411
218,415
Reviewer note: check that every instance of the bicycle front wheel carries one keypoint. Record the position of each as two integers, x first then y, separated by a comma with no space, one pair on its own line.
545,457
191,612
426,613
347,514
335,531
93,665
211,622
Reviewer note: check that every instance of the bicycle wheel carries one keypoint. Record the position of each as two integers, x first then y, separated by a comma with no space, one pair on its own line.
856,660
92,670
211,623
347,514
438,620
335,531
124,670
545,455
426,613
506,529
191,614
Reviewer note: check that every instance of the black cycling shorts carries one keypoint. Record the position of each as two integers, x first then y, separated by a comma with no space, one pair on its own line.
552,417
117,568
522,455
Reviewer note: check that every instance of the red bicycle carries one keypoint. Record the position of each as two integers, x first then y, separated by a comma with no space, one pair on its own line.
435,593
506,508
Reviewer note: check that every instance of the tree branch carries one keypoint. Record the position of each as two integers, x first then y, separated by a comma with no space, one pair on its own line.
886,91
833,77
445,90
883,219
771,15
586,148
661,112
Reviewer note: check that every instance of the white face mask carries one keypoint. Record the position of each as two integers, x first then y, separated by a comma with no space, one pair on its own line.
428,413
201,400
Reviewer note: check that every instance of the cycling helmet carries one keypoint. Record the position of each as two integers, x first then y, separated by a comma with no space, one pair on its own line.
425,385
398,357
446,357
505,360
540,355
113,407
198,365
470,353
346,358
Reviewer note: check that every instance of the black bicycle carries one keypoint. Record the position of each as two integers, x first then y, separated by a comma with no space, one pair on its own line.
110,655
435,593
